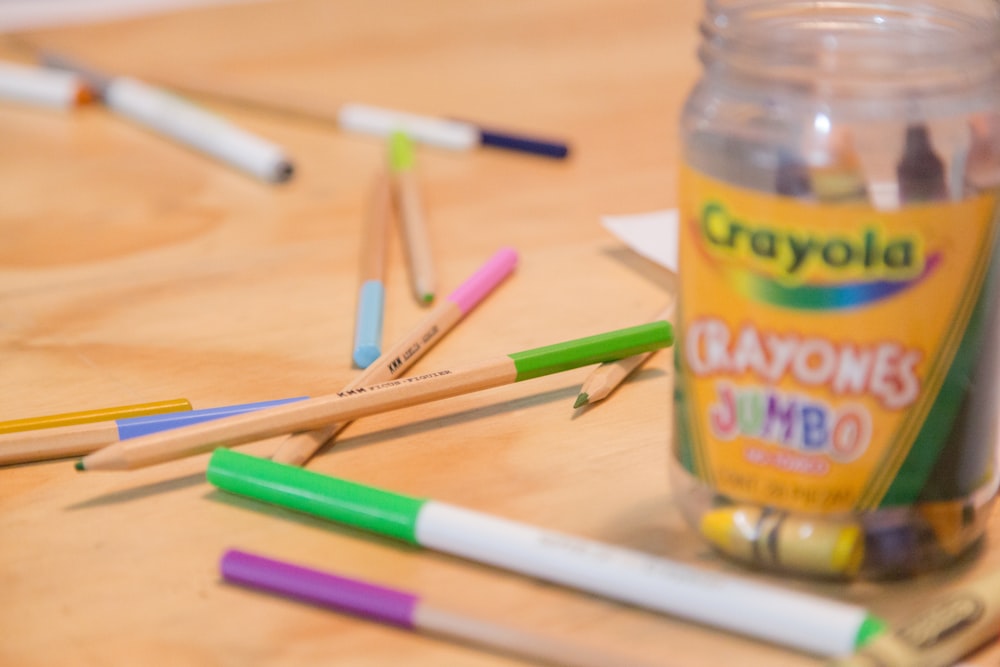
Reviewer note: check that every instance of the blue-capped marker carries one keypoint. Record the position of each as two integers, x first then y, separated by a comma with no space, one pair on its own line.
449,133
496,138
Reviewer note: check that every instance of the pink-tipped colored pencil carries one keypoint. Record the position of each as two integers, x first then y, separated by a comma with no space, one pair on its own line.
300,447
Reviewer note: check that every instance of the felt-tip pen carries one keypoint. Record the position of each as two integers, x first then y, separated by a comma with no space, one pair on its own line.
42,86
183,121
449,133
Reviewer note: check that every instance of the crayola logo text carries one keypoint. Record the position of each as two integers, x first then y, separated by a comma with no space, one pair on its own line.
789,253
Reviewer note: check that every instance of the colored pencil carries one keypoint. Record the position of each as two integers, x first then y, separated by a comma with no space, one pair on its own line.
313,413
95,415
606,377
83,438
371,294
406,610
805,622
413,225
42,86
300,447
184,122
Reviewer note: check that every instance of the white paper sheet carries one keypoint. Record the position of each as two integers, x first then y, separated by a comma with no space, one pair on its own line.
653,235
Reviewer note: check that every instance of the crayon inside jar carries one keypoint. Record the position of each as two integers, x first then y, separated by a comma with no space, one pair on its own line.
779,540
889,544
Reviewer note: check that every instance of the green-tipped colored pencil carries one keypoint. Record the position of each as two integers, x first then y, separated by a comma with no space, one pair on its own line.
362,401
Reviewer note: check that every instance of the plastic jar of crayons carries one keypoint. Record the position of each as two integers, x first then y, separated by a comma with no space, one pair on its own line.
836,397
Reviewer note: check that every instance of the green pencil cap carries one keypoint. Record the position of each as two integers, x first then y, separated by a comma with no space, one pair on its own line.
338,500
597,349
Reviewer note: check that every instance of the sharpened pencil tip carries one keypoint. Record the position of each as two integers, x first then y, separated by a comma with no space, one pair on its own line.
428,298
79,465
581,400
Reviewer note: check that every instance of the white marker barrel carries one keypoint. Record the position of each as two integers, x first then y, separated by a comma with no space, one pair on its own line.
811,623
451,134
197,128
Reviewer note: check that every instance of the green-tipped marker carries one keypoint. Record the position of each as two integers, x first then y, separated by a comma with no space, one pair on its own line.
348,405
402,164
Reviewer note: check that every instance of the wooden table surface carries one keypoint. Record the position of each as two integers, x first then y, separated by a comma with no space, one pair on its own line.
132,269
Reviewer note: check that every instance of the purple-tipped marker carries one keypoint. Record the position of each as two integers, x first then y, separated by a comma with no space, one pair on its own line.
321,588
405,610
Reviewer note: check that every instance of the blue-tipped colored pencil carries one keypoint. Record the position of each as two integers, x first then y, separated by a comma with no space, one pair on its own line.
371,295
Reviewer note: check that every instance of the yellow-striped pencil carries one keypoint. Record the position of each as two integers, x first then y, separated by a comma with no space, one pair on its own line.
95,415
78,439
41,447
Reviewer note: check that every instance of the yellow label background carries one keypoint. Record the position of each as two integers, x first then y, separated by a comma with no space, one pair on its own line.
917,318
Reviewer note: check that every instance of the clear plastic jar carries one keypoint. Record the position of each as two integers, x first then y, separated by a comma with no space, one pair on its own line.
836,387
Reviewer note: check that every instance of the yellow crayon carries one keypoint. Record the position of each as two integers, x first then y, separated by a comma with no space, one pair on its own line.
842,178
951,627
841,182
97,415
781,541
833,175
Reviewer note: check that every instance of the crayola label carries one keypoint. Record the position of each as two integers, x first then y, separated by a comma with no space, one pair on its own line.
824,350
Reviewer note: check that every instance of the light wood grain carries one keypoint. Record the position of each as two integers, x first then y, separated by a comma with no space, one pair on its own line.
132,269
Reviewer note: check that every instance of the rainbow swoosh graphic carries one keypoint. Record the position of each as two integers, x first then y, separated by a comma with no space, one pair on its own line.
820,296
